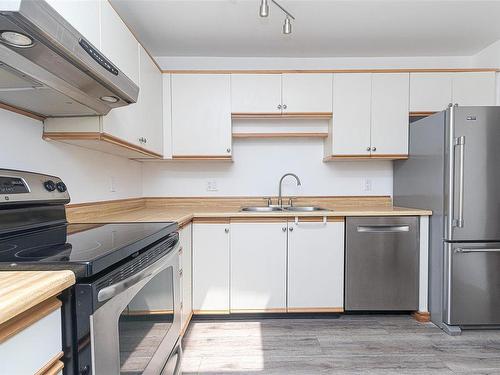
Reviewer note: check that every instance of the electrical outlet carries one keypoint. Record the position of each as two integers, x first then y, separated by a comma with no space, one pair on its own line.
212,185
367,184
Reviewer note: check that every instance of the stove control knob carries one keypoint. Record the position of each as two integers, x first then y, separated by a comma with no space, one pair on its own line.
49,185
61,187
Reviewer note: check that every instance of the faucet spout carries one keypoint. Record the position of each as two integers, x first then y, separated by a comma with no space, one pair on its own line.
280,198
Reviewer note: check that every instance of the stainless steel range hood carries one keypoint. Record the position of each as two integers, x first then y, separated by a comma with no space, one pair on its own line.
49,69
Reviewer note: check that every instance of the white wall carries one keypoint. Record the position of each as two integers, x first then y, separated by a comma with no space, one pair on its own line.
257,168
87,173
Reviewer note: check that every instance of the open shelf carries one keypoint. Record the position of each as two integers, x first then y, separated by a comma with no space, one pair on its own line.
282,116
281,135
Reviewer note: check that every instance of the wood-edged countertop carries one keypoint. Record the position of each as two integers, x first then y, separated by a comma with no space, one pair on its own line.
183,210
22,290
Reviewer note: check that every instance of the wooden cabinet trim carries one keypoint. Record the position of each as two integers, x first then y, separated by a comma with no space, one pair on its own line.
23,112
365,157
211,220
27,318
283,116
202,157
210,312
422,316
96,136
249,71
421,114
53,367
282,135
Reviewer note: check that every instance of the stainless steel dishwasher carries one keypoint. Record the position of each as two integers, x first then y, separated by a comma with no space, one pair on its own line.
382,260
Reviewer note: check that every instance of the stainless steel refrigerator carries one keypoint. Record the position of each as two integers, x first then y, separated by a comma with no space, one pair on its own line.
454,169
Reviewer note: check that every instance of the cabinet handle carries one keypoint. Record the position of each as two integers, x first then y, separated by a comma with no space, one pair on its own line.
228,150
279,106
145,140
374,149
180,250
180,273
290,229
226,230
368,148
284,106
283,229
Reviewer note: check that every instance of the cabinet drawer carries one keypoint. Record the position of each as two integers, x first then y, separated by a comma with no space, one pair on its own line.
32,348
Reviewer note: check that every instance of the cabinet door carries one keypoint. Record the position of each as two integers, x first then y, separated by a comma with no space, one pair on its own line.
83,15
167,116
201,115
316,266
186,266
430,92
211,268
125,122
390,101
117,42
350,129
307,93
151,120
256,93
474,88
258,267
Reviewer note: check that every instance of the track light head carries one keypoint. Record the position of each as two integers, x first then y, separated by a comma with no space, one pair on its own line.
264,8
287,26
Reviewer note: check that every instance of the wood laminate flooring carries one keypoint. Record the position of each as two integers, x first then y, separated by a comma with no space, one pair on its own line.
352,344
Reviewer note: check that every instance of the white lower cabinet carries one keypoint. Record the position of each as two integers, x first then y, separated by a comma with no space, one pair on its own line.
269,265
35,347
211,268
186,258
258,266
316,266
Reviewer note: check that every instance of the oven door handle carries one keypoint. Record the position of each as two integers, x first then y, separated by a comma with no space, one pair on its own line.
152,270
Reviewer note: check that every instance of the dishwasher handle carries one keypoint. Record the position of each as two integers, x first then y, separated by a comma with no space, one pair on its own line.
383,228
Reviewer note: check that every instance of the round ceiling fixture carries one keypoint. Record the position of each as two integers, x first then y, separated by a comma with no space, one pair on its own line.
109,99
16,39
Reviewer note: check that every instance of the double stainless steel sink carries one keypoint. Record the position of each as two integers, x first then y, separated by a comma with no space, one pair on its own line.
279,208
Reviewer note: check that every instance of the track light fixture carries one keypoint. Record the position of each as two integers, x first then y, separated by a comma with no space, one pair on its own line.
264,12
264,8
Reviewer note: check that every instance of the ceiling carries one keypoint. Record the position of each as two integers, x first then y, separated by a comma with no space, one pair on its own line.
323,28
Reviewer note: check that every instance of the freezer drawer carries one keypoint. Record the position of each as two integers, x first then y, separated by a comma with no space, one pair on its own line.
474,290
382,258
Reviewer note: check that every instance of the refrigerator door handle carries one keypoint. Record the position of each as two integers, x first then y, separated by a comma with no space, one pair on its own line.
460,144
476,250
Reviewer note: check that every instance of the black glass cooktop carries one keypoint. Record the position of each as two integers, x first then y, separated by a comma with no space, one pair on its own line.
86,249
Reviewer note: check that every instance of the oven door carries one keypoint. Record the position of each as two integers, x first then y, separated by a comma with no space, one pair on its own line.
137,329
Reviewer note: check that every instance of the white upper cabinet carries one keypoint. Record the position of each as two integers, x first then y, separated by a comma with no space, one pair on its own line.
117,42
258,267
389,120
307,92
430,92
316,266
474,88
211,268
201,115
151,107
350,129
83,15
256,93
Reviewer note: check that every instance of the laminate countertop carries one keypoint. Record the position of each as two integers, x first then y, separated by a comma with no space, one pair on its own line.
22,290
183,210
